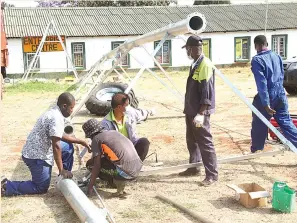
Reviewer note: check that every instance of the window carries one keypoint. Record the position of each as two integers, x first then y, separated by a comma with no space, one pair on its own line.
125,62
207,47
28,58
242,49
163,56
78,55
279,45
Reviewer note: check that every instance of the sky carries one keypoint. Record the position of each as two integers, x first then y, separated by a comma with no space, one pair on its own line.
32,3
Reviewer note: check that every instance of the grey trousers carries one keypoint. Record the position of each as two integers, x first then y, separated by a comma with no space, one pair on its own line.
200,146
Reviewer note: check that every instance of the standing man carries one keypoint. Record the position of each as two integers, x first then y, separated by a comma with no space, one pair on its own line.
44,145
199,105
271,99
114,156
124,120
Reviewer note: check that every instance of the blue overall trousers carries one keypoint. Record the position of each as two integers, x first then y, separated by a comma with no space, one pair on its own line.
268,71
260,130
41,174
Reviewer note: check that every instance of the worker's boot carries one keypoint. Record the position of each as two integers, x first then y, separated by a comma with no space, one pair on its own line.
190,172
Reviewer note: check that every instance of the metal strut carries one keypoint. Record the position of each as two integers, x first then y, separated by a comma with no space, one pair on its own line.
225,160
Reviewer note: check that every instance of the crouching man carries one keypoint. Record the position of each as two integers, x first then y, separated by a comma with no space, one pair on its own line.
124,120
44,145
114,157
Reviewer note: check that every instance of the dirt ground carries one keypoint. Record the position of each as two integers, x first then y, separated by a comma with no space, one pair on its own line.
166,131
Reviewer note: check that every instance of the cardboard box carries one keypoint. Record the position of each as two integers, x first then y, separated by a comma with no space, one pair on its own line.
250,195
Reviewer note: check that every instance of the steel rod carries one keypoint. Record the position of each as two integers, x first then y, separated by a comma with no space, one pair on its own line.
187,211
140,72
224,160
256,112
164,72
103,204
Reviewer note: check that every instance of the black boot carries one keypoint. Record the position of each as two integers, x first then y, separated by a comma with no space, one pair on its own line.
190,172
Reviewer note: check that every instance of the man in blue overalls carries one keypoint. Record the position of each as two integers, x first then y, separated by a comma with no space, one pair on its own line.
271,99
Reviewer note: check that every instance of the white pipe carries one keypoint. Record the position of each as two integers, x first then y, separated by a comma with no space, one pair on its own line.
82,206
195,23
177,94
133,82
224,160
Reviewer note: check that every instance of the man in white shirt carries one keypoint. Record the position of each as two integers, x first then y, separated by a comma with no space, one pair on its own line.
44,145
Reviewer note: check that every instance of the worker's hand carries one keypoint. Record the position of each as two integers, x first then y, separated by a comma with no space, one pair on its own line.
198,120
66,174
269,110
86,144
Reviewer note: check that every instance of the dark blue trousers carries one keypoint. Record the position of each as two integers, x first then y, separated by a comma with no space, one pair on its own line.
200,146
41,174
259,130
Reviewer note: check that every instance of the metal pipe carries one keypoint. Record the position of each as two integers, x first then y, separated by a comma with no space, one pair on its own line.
82,206
164,72
189,212
176,93
103,75
225,160
195,23
256,112
104,206
133,82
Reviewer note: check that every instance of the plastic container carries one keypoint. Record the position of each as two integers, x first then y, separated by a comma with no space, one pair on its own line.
283,198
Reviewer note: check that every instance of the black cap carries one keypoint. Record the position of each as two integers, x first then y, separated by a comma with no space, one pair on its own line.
193,41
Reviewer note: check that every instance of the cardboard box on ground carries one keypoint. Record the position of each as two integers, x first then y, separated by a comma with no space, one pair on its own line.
250,195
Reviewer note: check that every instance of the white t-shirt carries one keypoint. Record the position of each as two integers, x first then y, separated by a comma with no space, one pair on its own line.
39,144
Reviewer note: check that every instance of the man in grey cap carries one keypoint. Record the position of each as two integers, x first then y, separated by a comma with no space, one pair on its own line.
114,156
199,105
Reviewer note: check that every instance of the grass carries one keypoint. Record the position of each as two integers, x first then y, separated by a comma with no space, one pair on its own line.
51,86
39,87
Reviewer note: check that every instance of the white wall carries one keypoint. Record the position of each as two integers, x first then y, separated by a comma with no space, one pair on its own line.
15,56
222,50
222,44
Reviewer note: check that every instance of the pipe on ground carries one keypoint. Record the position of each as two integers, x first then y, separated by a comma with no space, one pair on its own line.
82,206
224,160
187,211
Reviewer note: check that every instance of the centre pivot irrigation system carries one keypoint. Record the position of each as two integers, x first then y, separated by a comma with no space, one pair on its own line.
194,24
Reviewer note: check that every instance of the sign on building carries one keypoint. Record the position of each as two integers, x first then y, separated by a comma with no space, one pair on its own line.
31,43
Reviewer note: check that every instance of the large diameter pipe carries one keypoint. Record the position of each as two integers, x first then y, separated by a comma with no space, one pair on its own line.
195,23
82,206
